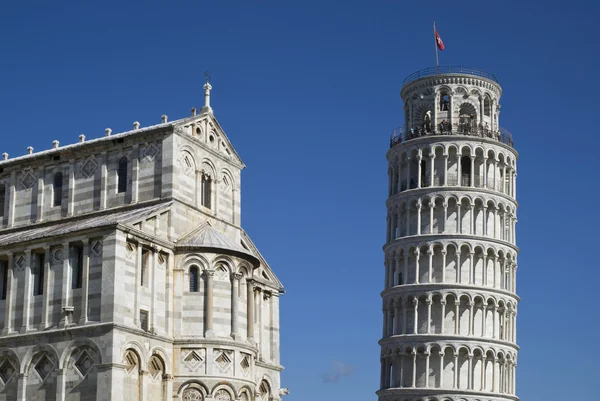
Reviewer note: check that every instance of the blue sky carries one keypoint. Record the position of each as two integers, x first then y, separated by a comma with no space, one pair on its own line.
308,92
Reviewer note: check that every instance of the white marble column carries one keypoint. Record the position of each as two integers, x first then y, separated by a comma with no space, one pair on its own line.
209,332
235,288
250,310
71,201
46,286
66,307
85,283
135,173
40,196
29,261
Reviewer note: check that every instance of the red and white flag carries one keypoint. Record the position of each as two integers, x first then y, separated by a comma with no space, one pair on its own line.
438,41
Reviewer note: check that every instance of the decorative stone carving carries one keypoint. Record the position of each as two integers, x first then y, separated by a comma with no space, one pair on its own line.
150,152
130,250
193,358
88,168
222,395
28,180
20,262
57,255
96,248
192,394
187,163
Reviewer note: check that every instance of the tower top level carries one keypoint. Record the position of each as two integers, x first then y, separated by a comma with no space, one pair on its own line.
451,100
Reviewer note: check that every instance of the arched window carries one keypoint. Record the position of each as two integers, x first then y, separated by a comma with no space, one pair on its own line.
57,188
487,106
194,274
122,175
444,101
206,190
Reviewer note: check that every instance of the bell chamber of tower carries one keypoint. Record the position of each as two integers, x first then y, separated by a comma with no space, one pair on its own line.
449,299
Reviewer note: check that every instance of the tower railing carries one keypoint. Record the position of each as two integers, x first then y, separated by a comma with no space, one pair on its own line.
449,69
400,135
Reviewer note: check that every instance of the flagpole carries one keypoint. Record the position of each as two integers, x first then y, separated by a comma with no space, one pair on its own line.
437,63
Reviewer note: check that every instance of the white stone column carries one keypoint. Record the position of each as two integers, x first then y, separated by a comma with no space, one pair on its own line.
458,219
406,267
404,313
12,193
430,270
444,266
432,161
459,169
470,372
71,201
152,280
10,292
427,354
456,371
472,178
46,286
85,283
471,318
104,183
484,211
414,370
235,282
417,257
408,162
428,303
450,110
495,375
250,310
457,317
416,316
66,287
441,354
169,290
135,173
22,387
397,313
419,169
208,312
445,205
136,294
443,303
60,384
40,196
494,321
27,290
408,220
419,218
431,209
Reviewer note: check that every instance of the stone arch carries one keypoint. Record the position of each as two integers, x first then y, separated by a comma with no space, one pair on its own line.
207,167
76,343
162,353
223,386
190,389
47,348
41,368
193,259
225,261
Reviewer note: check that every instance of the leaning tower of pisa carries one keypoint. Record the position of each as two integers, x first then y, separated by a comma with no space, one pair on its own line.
450,302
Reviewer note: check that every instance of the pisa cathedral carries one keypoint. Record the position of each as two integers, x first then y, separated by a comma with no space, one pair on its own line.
450,302
125,273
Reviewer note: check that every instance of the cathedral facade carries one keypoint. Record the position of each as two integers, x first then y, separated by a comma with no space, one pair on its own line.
125,273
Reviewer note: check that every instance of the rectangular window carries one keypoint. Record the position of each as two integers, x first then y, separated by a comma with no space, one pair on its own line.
38,274
144,320
4,267
144,268
76,266
206,191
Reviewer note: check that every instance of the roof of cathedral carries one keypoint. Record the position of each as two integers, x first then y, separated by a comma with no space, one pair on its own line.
206,236
79,224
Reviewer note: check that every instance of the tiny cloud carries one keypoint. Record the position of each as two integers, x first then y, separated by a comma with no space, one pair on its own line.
338,369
